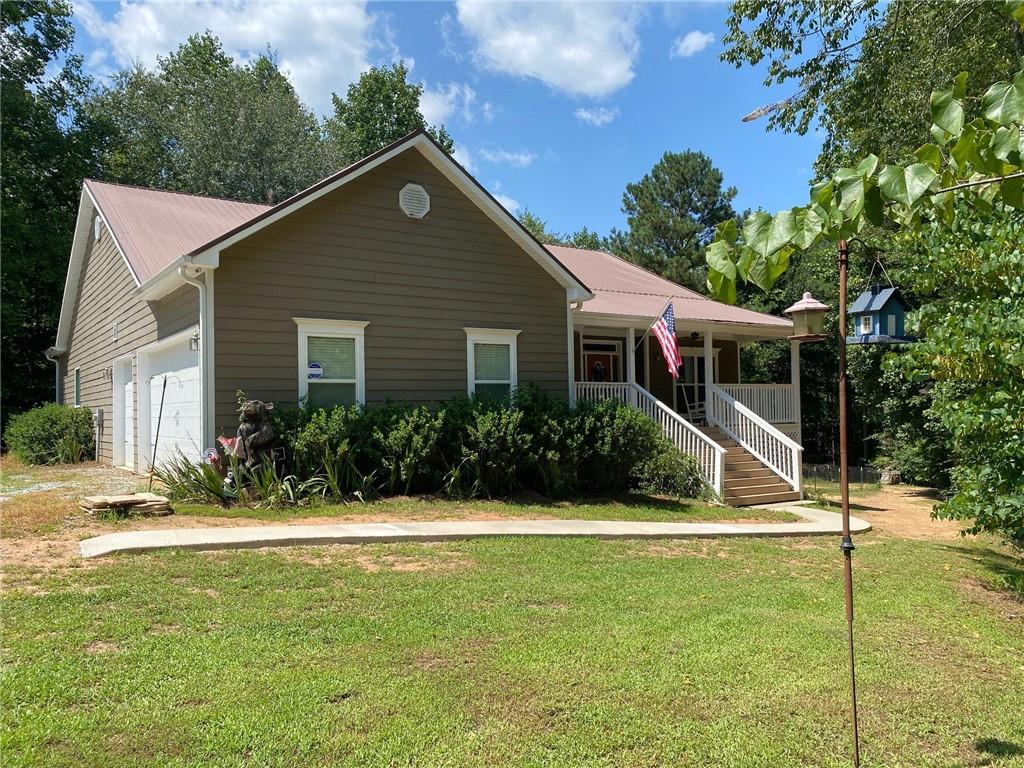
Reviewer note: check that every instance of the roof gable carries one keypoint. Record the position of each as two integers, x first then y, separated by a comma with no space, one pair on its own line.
207,254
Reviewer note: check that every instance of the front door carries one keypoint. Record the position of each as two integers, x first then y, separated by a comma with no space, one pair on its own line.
599,367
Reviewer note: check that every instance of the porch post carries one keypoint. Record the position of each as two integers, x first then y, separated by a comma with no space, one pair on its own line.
630,355
794,381
709,368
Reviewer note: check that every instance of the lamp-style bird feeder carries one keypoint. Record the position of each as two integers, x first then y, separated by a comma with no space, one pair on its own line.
878,318
808,319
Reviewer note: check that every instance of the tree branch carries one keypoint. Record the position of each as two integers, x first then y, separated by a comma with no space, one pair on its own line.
980,182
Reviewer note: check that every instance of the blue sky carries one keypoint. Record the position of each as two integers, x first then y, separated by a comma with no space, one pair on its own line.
554,107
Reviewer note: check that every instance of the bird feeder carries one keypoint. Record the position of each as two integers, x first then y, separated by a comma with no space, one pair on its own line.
878,318
808,319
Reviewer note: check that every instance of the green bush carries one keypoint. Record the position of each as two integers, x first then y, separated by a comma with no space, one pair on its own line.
51,434
470,448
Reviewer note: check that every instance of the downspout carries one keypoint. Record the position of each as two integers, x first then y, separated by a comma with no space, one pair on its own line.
200,285
53,355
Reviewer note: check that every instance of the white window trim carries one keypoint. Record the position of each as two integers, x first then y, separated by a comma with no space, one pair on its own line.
476,336
338,329
866,325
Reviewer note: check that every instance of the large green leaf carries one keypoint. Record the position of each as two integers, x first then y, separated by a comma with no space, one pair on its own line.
821,193
721,287
726,230
947,112
905,185
1016,10
719,258
930,155
1005,142
851,192
1003,103
808,224
766,234
1012,192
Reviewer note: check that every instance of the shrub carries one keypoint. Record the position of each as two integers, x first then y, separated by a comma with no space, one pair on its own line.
51,434
670,473
464,448
185,480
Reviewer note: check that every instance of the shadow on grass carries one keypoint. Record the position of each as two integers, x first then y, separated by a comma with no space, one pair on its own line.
1006,570
998,747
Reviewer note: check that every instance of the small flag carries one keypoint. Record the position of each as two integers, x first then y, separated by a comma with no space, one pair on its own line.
665,331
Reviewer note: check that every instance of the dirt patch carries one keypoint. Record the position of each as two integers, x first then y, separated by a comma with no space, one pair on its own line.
904,511
1003,602
99,647
702,548
433,558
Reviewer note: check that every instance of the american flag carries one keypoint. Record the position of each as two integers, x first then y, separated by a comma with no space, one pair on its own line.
665,330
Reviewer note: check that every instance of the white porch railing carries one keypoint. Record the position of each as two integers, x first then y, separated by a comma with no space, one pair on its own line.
595,391
778,452
687,438
772,402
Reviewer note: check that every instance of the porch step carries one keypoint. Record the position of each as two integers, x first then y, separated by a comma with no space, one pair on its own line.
752,481
756,469
764,498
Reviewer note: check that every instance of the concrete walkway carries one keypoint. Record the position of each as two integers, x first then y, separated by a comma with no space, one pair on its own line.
815,522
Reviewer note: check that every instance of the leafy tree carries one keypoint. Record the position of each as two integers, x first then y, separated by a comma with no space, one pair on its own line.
200,123
972,353
865,68
46,147
378,109
971,166
672,212
581,238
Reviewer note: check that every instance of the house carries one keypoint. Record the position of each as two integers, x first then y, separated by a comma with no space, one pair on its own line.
399,277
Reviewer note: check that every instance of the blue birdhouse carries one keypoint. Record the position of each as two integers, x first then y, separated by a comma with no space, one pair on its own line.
878,318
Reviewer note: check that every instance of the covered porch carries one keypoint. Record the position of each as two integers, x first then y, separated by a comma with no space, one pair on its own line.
608,359
745,437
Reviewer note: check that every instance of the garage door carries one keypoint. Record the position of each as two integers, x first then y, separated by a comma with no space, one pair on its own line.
180,426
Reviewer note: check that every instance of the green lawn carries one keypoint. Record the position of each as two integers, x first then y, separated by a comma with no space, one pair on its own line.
511,652
634,508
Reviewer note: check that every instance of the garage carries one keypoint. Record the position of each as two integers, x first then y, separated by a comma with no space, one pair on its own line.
169,374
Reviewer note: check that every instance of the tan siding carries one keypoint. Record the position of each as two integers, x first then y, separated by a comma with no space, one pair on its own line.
353,255
105,295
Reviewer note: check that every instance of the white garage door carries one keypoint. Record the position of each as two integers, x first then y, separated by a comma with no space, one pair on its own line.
129,421
180,428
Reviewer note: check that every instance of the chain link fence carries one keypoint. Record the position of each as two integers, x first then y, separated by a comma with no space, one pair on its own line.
824,478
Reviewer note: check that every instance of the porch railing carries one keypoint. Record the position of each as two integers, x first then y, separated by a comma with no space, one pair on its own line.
772,402
596,391
687,438
765,442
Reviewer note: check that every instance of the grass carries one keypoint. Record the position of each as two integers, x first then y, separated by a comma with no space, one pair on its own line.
632,508
516,652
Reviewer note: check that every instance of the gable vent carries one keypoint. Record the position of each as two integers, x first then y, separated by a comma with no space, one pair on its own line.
414,200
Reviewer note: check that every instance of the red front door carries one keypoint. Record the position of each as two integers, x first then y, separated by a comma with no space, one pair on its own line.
599,367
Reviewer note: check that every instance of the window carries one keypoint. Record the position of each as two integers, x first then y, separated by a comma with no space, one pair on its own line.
891,325
491,362
78,387
331,369
865,325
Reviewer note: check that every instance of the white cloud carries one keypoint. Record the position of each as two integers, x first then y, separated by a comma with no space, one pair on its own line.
439,105
322,46
510,203
464,158
585,49
517,159
597,116
691,43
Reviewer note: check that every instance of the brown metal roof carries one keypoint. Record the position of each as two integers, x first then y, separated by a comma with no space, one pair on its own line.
154,227
623,288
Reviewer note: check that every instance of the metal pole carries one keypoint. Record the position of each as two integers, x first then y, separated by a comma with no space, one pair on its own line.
156,439
846,546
